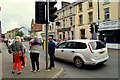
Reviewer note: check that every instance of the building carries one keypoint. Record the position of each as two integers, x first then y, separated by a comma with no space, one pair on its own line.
87,13
65,22
109,27
35,29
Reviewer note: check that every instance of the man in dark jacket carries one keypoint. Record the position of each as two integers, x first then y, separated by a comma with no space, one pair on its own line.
51,51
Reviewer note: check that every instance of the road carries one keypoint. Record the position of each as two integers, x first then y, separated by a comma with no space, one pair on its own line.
107,70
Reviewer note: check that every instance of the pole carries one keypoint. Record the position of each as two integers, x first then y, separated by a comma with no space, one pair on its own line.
98,13
47,8
94,30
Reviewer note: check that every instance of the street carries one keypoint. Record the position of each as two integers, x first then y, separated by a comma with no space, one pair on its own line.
107,70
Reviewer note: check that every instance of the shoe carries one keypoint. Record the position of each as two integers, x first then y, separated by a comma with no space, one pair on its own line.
48,70
38,70
33,71
13,72
19,73
22,66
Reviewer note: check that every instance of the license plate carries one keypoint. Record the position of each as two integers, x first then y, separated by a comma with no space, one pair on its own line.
102,52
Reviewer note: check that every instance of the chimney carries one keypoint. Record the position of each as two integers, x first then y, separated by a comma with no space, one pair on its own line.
64,4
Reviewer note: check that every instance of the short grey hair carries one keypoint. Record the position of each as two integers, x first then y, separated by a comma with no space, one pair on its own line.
35,38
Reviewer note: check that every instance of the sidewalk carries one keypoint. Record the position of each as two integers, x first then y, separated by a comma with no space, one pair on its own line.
7,66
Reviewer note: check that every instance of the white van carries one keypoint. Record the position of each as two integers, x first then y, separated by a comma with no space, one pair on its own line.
82,52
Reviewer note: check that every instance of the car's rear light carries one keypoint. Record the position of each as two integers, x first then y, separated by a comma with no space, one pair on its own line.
90,48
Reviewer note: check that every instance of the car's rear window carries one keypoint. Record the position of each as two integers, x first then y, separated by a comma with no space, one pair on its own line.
97,45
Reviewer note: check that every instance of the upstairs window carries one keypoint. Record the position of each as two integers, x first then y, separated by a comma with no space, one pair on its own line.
80,7
90,17
106,14
90,4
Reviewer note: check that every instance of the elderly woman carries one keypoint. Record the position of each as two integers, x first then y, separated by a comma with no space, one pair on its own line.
17,50
34,53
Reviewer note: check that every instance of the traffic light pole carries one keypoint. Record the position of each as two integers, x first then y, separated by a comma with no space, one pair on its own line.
47,8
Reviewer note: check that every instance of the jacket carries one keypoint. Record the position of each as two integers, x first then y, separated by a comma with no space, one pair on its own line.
35,47
16,48
51,48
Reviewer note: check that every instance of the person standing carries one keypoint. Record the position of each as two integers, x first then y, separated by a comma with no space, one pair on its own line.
23,60
34,53
51,51
17,50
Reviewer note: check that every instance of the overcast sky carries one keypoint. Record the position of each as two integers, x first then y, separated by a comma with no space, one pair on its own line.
18,13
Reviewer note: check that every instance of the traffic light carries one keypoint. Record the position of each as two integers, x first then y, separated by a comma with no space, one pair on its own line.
96,28
52,10
39,12
91,28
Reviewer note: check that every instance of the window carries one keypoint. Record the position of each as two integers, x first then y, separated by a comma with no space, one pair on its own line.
80,7
63,23
72,34
82,34
62,45
52,25
71,21
97,45
63,12
90,4
70,9
80,45
50,28
106,1
80,19
68,36
106,14
90,17
44,28
71,45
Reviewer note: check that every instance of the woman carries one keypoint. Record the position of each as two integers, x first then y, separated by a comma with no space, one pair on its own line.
34,53
17,50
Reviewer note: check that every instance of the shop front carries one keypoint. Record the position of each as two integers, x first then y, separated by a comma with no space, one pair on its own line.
109,33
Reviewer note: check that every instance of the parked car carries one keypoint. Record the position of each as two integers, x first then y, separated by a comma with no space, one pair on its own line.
10,41
82,52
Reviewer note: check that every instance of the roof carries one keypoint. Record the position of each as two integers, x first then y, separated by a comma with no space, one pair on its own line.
72,4
82,40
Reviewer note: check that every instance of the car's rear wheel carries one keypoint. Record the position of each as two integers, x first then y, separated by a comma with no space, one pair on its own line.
78,62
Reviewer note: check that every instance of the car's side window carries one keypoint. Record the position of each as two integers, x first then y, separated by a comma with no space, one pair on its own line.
62,45
80,45
71,45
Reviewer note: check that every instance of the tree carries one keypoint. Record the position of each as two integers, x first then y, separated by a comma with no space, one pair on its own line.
2,35
19,33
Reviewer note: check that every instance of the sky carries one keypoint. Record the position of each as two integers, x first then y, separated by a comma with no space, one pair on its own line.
19,13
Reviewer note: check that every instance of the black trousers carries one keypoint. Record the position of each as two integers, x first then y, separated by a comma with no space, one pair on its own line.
51,61
34,59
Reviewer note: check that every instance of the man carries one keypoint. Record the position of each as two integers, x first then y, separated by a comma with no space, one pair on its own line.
51,51
34,53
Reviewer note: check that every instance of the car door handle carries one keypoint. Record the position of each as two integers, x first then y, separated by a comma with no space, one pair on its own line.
73,51
62,51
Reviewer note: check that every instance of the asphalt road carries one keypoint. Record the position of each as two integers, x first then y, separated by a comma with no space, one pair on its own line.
107,70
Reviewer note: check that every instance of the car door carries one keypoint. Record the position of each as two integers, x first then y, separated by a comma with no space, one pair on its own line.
59,51
69,51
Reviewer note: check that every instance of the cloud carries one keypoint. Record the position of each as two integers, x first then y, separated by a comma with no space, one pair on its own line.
17,14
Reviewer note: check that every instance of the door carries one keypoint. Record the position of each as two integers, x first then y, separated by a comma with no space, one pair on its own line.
59,51
70,51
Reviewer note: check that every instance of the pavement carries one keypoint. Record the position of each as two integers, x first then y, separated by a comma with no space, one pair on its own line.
7,67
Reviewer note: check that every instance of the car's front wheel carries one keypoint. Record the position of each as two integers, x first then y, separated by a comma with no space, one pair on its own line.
78,62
